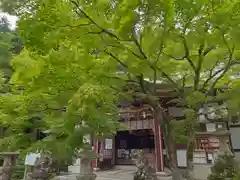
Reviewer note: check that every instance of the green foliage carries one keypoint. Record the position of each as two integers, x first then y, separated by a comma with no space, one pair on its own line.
195,99
183,47
17,7
225,167
184,130
179,132
10,44
56,94
74,48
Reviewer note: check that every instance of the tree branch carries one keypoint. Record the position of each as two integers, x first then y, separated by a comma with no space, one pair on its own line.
161,45
208,50
187,53
184,81
154,80
47,108
129,80
211,76
170,80
123,47
97,32
227,67
155,68
199,66
140,77
75,26
141,83
79,12
139,47
116,58
175,58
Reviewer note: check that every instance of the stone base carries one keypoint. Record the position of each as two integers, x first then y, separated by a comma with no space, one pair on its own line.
96,169
163,174
87,177
74,169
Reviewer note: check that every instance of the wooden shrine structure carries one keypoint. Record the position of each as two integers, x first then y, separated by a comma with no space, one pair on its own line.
145,133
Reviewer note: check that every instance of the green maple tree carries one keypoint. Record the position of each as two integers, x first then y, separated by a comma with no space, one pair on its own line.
76,47
56,94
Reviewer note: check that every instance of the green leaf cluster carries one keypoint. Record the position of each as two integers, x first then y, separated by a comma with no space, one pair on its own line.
58,92
225,167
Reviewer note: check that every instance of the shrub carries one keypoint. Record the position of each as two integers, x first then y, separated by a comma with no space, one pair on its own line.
224,168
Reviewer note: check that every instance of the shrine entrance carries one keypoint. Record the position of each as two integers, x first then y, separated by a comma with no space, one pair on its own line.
142,133
128,142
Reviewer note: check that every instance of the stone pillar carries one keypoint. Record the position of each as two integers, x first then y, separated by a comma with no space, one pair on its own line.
41,169
8,165
75,167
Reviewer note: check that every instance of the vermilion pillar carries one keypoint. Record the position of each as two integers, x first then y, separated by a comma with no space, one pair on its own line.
95,149
158,147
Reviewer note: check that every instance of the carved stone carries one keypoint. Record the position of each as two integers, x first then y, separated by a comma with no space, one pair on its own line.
8,165
41,169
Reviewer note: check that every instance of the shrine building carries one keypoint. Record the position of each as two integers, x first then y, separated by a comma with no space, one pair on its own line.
144,133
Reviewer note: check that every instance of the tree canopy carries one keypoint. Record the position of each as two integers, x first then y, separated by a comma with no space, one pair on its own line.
56,94
79,54
177,41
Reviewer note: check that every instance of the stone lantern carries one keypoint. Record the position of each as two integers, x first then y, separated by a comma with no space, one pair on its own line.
9,162
41,168
86,170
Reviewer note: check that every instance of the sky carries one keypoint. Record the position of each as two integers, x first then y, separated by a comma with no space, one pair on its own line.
12,19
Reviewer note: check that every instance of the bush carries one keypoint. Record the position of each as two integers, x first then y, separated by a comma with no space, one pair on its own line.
224,168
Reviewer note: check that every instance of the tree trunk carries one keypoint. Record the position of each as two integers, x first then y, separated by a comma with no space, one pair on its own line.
176,172
190,148
169,142
190,168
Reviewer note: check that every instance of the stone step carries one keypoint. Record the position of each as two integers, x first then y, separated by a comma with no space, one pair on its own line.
70,177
